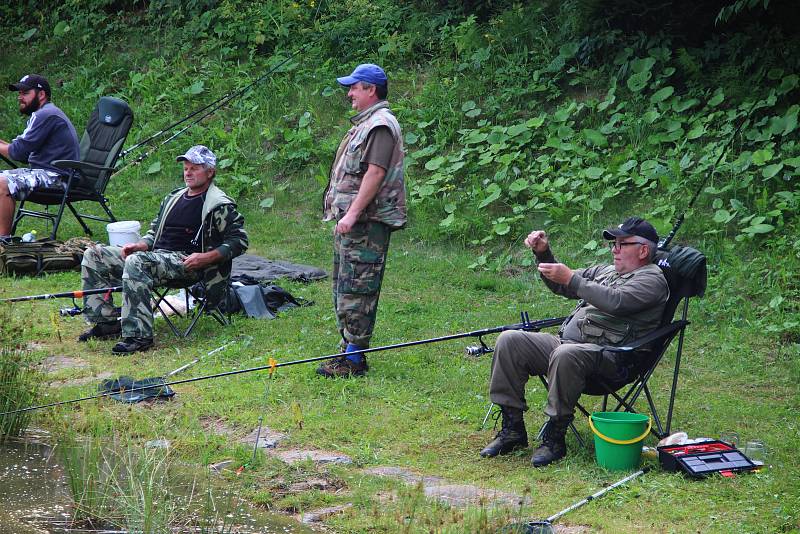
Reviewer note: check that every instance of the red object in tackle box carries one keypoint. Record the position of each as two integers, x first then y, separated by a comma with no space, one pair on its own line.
700,460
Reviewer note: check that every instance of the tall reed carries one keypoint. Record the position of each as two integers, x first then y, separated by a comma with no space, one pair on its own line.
20,380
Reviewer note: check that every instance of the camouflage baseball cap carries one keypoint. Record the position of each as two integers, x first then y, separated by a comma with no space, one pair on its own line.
199,155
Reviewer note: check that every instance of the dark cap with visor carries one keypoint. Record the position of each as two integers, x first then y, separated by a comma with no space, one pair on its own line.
630,227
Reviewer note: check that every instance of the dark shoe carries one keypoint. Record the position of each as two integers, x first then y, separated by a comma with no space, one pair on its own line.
343,367
512,434
132,344
554,446
102,331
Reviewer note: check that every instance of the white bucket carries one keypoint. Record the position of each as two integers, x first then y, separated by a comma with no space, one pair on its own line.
123,232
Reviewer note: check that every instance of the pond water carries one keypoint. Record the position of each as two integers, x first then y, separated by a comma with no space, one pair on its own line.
34,497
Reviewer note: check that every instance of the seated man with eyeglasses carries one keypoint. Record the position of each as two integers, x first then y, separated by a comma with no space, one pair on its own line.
618,303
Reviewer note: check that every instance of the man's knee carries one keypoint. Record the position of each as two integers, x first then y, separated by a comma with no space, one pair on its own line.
507,340
567,357
91,256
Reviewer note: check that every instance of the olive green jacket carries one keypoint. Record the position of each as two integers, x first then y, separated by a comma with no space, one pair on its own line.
614,309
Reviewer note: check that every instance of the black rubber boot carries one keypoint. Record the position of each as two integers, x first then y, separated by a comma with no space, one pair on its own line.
512,434
554,446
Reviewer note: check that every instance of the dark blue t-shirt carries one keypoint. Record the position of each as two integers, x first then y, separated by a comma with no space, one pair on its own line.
48,136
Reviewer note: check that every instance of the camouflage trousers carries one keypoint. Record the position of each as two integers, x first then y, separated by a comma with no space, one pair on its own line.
359,258
103,266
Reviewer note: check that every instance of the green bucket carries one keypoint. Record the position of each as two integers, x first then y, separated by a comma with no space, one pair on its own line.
618,438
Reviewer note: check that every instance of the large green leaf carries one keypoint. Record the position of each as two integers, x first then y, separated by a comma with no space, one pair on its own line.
593,173
717,99
789,83
637,82
595,137
494,192
682,105
517,129
761,228
520,184
662,94
760,157
468,105
434,163
642,65
771,170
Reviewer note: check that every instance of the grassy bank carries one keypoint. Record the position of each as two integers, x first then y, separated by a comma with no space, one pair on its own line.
513,122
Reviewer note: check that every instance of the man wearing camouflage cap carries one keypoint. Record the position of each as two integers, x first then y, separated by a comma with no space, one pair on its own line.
619,303
367,200
195,235
48,136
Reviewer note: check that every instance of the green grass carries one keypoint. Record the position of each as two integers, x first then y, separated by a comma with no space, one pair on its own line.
420,408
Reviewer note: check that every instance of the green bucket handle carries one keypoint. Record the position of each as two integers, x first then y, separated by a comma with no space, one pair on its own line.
622,441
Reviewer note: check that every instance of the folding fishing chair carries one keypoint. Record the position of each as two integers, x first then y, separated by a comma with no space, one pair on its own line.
685,271
100,147
192,292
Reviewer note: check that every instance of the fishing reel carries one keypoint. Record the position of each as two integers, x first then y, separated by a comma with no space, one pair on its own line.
478,350
70,312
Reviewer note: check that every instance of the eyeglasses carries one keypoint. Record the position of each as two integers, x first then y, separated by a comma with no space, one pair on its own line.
615,245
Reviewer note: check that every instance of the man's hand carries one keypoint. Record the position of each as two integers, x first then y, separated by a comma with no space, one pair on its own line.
201,260
537,241
557,272
346,223
130,248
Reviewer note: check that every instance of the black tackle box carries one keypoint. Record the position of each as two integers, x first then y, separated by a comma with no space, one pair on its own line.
700,460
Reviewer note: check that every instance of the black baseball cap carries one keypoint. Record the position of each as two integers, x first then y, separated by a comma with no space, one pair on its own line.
31,81
632,226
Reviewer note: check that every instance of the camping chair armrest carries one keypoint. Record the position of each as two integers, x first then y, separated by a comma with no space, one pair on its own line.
79,165
655,335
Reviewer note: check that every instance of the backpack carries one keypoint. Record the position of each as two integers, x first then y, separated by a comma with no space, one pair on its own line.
43,256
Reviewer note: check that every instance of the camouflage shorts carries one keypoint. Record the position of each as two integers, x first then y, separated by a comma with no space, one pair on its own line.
22,181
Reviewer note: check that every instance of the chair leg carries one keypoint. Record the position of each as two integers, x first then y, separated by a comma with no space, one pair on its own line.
488,414
86,229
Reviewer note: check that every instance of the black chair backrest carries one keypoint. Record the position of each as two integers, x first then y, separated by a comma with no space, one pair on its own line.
686,273
103,139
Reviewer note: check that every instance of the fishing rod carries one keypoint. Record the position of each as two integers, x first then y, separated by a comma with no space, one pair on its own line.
679,220
545,526
67,294
208,109
9,162
526,324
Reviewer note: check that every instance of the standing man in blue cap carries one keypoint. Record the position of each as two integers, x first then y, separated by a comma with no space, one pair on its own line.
366,198
48,136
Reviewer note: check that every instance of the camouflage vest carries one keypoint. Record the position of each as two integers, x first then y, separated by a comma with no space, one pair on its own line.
389,204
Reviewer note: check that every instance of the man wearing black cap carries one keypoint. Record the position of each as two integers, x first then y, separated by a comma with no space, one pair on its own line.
48,136
618,304
366,198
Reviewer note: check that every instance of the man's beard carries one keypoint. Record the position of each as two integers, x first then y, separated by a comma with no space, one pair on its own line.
30,108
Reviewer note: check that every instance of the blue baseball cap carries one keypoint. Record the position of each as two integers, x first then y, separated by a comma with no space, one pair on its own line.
366,72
